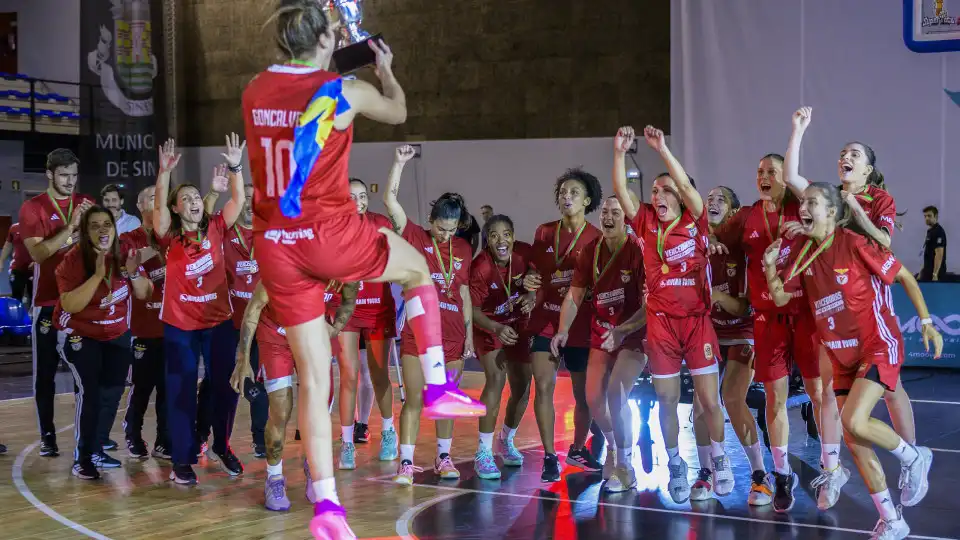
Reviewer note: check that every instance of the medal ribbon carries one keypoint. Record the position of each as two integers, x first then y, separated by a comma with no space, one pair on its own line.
557,259
197,240
56,206
798,268
662,237
766,222
447,277
597,273
509,281
242,243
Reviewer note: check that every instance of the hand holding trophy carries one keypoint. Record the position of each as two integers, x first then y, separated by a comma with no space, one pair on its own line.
354,49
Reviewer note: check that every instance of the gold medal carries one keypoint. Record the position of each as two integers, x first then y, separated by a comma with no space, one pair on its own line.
70,240
665,269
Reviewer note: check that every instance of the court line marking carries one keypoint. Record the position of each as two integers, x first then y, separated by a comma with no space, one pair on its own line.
689,513
531,446
37,503
935,402
403,522
945,450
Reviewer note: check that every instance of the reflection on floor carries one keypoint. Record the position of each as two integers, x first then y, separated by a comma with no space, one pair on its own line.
137,501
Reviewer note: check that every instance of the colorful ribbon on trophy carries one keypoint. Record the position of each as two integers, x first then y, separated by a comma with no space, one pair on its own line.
309,138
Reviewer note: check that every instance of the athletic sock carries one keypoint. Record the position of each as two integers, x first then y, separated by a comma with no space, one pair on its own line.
275,470
443,446
755,455
884,504
830,456
781,464
703,455
406,452
387,424
716,449
346,432
326,489
625,456
905,453
423,316
673,454
507,433
486,441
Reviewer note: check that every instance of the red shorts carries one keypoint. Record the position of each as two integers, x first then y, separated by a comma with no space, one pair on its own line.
671,341
783,341
875,367
373,330
487,343
277,360
741,353
303,259
452,350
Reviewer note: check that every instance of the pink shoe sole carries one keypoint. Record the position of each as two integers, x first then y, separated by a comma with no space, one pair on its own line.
447,408
331,527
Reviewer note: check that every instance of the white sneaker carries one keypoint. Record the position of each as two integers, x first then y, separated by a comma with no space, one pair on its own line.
679,486
894,529
722,475
827,486
624,478
915,477
609,465
761,489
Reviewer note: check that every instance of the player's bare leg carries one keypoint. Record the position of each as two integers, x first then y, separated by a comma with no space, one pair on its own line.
668,398
495,378
349,363
628,366
545,378
833,475
706,388
280,410
443,466
736,383
410,418
378,361
407,267
597,377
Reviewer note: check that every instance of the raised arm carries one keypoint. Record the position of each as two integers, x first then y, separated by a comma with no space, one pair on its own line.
212,196
394,211
234,155
774,283
791,160
688,194
621,145
169,158
390,107
929,332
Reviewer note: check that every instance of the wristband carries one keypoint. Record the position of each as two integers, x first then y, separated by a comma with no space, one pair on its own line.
235,169
134,276
924,322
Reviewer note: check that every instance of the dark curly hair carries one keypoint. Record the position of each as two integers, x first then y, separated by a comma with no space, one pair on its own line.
450,206
590,184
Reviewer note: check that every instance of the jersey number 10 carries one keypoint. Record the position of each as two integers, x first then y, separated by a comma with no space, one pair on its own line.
280,164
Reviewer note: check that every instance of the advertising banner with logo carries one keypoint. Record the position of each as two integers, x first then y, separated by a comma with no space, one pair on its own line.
121,56
943,301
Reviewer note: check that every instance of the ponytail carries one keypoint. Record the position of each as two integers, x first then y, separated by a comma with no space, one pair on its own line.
876,179
450,206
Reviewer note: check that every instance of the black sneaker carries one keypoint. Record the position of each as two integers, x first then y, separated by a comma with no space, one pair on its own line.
260,451
109,445
48,445
596,445
183,475
3,449
361,433
551,468
230,463
160,451
296,436
137,449
104,460
583,460
85,470
784,485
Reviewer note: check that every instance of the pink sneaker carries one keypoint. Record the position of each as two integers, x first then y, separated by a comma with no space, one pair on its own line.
443,401
330,522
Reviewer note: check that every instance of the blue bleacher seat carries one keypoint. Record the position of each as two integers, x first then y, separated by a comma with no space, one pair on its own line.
14,319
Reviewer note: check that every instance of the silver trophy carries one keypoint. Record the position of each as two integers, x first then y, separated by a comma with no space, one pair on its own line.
353,52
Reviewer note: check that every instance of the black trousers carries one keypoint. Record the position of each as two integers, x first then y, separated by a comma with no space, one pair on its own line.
99,369
21,286
255,394
148,374
46,360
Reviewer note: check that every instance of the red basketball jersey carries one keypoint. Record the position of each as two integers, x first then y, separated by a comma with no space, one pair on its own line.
272,105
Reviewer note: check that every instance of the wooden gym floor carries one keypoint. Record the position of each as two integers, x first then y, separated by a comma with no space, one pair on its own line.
39,499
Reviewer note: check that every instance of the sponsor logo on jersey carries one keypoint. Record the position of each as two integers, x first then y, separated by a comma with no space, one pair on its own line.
888,264
288,237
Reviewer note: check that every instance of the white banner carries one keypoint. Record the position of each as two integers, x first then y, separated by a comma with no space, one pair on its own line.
740,68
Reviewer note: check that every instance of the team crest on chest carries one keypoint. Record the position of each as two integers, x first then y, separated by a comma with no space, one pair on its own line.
625,275
842,277
731,269
76,342
457,263
692,229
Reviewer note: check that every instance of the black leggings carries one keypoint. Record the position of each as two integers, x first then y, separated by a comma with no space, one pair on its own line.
148,374
99,370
